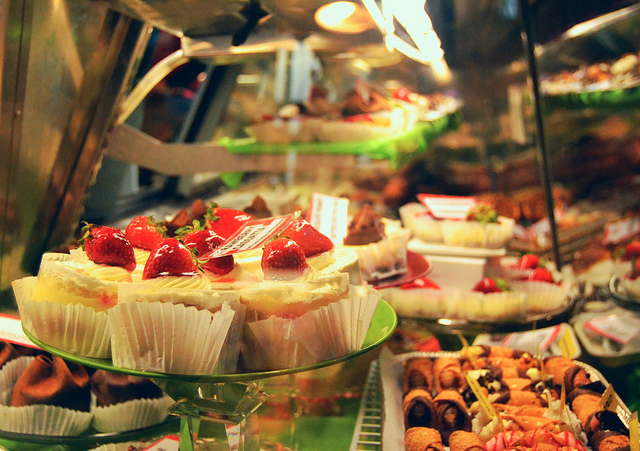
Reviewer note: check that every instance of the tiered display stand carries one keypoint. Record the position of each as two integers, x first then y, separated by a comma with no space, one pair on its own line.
217,411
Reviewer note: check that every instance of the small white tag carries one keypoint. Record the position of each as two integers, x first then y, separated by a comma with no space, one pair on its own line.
619,231
619,328
533,341
251,235
168,443
328,215
447,207
11,331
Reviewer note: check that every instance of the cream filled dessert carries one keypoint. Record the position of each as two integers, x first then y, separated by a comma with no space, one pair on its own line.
626,268
381,248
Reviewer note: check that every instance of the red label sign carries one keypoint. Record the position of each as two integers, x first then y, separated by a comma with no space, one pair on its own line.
447,207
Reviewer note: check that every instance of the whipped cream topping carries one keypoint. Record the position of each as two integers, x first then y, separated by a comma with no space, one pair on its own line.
188,282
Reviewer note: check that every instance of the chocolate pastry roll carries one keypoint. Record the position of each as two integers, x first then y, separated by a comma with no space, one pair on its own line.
422,439
418,373
447,374
465,441
451,413
525,410
609,441
485,351
593,419
418,409
562,368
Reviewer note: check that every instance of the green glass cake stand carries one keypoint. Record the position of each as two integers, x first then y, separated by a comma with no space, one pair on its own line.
216,409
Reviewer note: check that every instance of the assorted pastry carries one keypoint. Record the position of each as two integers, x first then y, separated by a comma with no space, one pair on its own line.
495,398
47,395
151,300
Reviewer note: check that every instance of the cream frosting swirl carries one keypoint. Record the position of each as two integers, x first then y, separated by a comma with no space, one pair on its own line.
187,282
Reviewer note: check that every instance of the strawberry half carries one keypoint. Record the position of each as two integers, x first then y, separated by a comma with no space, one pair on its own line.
205,241
487,285
422,282
283,259
632,251
144,232
225,221
108,246
308,237
528,261
541,274
170,258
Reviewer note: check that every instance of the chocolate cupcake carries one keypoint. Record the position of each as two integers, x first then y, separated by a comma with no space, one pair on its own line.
49,396
123,402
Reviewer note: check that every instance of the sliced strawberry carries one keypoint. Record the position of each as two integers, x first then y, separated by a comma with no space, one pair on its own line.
528,261
108,246
144,232
226,221
401,94
487,285
170,258
205,241
632,251
541,274
283,259
308,237
423,282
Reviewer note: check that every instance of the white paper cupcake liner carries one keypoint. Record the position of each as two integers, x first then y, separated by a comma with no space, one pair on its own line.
130,415
340,327
542,296
70,327
169,338
475,234
36,419
415,302
386,258
44,420
474,306
267,345
422,226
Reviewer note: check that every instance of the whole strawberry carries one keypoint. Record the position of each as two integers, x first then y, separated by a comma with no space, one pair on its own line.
283,259
308,237
170,258
422,282
204,241
108,246
632,251
488,285
225,221
144,232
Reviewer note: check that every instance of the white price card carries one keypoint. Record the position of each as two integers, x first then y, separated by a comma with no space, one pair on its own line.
328,215
447,207
11,331
168,443
534,341
252,235
619,231
616,327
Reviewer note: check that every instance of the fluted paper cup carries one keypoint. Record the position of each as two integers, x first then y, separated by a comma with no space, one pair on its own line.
542,296
130,415
267,345
386,258
339,328
70,327
415,302
169,338
423,226
36,419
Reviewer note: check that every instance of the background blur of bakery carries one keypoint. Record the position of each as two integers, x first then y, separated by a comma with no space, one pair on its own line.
227,121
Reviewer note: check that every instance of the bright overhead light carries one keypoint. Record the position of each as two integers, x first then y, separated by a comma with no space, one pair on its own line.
344,17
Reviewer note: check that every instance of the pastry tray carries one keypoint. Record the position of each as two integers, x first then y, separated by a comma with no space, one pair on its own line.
390,374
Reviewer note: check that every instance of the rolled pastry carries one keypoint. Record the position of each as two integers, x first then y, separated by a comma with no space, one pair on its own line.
451,414
418,373
447,374
564,369
422,439
609,441
465,441
519,398
418,409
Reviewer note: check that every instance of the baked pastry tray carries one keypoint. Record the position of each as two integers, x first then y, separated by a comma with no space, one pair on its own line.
379,425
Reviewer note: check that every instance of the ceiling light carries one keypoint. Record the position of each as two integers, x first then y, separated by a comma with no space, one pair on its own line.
344,17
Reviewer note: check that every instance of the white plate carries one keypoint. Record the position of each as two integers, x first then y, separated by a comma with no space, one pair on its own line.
422,247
